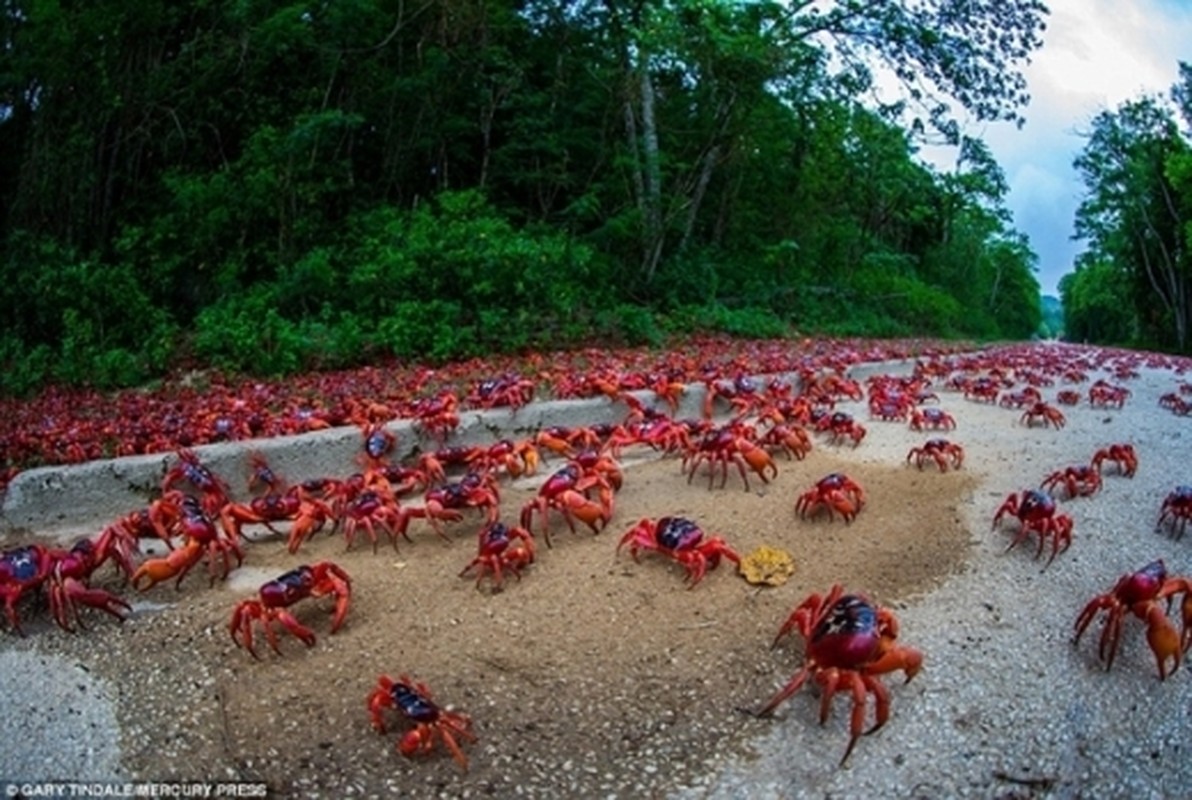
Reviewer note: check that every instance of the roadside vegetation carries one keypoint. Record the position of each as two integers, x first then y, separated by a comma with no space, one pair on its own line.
267,188
1133,283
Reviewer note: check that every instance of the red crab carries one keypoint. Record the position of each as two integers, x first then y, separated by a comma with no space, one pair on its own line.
839,386
501,548
507,390
68,582
598,469
261,476
379,444
943,452
725,445
982,390
842,426
1103,394
372,508
669,390
1080,480
189,470
176,514
122,538
274,597
789,438
566,492
931,418
1145,594
891,406
434,464
1067,397
742,393
63,573
1028,396
1048,413
431,722
1122,455
437,416
849,642
445,503
270,508
516,458
835,492
1176,509
562,441
1035,511
680,539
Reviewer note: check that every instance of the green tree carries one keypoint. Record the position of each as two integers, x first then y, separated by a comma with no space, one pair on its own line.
1134,214
1093,307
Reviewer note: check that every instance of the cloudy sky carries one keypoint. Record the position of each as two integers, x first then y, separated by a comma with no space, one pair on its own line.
1096,54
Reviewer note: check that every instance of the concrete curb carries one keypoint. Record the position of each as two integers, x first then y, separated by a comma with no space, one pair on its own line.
61,503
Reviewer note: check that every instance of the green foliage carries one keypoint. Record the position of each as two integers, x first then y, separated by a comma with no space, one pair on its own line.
277,187
97,324
431,330
628,325
493,286
750,322
1134,216
246,333
23,370
1094,310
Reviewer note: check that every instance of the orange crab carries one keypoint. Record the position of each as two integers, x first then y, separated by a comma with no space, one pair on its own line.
849,642
1145,594
731,443
835,492
501,547
566,491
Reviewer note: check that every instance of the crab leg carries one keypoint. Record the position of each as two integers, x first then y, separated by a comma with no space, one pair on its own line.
792,686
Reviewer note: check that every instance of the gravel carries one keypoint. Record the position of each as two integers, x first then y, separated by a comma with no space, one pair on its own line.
1006,705
59,720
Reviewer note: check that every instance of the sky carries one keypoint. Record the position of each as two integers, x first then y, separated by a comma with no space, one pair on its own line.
1096,54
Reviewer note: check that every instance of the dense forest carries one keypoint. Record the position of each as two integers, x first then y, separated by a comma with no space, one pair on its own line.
1133,282
276,186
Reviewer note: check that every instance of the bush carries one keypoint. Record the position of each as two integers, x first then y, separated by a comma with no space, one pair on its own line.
628,325
499,282
23,369
433,330
77,321
245,333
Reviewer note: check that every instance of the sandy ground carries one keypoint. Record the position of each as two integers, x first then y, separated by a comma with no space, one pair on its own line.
594,675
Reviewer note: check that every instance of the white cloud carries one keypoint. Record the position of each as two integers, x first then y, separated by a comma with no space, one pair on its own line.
1096,54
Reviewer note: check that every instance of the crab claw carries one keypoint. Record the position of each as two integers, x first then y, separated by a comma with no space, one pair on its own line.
177,563
1164,640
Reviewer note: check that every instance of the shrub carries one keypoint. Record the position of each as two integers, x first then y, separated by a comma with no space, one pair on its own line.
245,333
431,330
625,324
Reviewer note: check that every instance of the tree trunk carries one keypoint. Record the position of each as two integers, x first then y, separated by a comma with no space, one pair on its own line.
701,187
652,234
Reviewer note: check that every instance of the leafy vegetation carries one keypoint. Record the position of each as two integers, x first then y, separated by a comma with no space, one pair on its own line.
1133,284
274,186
